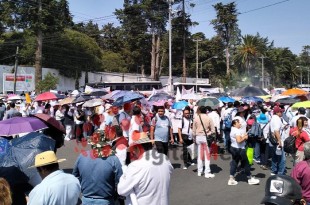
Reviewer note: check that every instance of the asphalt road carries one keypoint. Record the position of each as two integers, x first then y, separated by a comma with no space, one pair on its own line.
187,188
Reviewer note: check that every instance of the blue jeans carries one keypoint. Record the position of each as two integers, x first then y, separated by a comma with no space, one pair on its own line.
257,156
92,201
278,165
227,141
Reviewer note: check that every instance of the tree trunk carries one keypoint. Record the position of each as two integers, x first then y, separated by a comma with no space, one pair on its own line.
227,61
143,70
157,58
38,59
153,56
77,84
161,63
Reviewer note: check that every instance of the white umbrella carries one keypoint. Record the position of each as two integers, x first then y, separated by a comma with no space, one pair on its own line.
93,103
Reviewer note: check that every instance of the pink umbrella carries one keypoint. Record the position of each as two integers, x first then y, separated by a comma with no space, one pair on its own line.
46,96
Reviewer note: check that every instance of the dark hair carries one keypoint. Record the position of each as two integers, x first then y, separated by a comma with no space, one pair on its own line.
203,109
187,108
147,146
230,104
136,110
208,108
47,106
159,107
236,103
12,105
49,167
234,122
118,131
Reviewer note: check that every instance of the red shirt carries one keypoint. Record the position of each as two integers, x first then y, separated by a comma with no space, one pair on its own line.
303,137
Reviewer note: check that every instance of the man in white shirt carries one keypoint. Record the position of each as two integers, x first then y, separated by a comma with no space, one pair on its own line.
147,179
276,126
301,113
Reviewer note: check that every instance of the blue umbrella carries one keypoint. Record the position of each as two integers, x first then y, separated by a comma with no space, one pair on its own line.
251,99
226,99
128,97
160,96
179,105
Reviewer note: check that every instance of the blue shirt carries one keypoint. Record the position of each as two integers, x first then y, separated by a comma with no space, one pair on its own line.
99,177
55,189
162,128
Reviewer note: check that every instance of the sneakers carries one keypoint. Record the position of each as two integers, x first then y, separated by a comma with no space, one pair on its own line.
271,173
199,174
253,181
209,175
264,167
256,161
184,167
232,181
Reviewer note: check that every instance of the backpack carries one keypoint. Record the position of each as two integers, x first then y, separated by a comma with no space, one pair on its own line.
228,120
255,130
289,145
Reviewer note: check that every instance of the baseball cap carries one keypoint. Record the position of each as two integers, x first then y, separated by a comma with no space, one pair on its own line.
302,110
277,109
281,190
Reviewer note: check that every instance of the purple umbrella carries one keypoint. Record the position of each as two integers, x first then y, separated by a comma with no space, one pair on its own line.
19,125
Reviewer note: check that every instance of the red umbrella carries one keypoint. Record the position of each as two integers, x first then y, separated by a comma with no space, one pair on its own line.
46,96
51,122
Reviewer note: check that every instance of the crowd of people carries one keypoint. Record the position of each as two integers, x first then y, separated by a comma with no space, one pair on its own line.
130,144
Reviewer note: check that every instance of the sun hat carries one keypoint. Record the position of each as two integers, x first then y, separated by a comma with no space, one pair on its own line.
46,158
101,144
262,119
281,190
139,138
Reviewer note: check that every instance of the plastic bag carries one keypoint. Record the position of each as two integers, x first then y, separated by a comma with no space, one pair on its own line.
250,154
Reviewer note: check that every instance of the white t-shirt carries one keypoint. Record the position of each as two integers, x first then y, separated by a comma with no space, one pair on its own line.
277,124
233,134
242,122
134,126
187,130
216,120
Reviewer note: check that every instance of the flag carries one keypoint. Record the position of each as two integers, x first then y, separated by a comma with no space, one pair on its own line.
28,99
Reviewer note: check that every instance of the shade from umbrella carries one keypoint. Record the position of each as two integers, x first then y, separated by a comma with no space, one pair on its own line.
128,97
19,125
179,105
209,101
294,91
82,98
23,151
46,96
160,96
93,103
305,104
249,91
226,99
250,99
67,100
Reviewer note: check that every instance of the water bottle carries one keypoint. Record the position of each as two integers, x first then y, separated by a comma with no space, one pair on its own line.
279,150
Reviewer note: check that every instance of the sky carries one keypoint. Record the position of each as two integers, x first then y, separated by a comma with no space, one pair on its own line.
286,22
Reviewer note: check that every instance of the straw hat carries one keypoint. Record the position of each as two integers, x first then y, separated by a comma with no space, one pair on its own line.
46,158
140,138
101,144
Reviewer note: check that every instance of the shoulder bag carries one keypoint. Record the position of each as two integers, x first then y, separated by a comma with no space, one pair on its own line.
211,138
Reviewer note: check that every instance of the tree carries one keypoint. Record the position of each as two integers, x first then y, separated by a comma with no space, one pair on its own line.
42,17
49,83
226,26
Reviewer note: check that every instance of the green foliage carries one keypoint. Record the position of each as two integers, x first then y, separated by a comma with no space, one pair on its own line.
113,62
49,83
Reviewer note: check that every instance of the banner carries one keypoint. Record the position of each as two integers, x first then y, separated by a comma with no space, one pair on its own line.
24,82
190,91
89,89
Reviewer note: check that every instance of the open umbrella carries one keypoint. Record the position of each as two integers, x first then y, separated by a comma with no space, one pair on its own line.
19,125
81,98
226,99
209,101
305,104
249,91
128,97
14,97
93,103
111,95
51,122
179,105
23,151
251,99
294,91
190,96
67,100
160,96
98,94
46,96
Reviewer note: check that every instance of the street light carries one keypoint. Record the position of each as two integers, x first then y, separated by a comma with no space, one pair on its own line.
197,40
263,57
204,62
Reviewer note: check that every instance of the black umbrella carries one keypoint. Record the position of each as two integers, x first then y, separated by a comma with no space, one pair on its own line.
160,96
98,94
249,91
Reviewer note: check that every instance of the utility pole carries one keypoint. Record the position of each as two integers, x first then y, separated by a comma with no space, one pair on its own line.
184,53
170,51
197,59
38,53
15,69
263,85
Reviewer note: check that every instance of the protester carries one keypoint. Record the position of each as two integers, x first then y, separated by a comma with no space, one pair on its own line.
278,161
147,179
301,113
227,113
10,112
5,192
264,142
79,119
238,141
203,128
123,119
56,187
282,190
161,131
185,134
68,122
301,137
99,171
301,173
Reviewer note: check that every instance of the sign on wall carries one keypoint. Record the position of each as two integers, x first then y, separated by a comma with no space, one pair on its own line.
24,82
